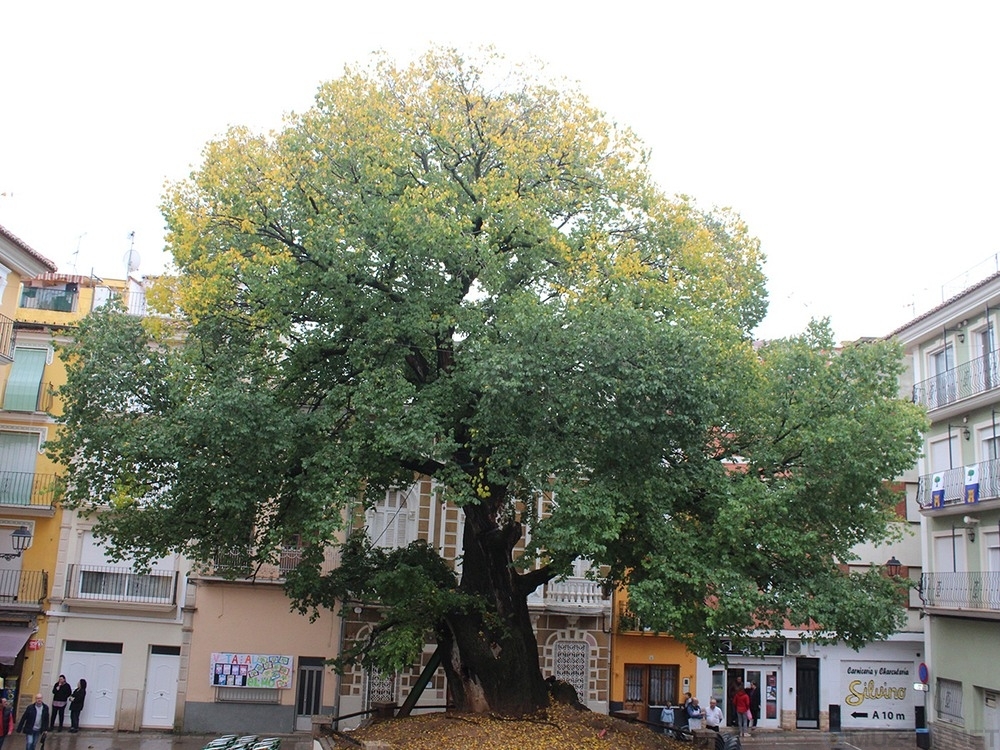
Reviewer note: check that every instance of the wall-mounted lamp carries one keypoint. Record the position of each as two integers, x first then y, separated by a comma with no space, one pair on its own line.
959,333
893,566
970,527
20,539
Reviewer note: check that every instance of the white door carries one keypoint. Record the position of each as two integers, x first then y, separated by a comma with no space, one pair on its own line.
161,690
101,671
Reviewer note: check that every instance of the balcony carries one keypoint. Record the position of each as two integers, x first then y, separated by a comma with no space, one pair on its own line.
975,592
57,298
574,595
960,382
120,585
6,340
133,300
241,567
43,399
28,489
23,588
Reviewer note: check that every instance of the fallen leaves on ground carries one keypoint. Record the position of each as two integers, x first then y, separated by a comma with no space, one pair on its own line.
561,727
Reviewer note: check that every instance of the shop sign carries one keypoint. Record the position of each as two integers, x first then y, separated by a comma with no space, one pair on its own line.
877,694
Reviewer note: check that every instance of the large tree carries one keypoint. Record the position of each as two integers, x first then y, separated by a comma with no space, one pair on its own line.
452,269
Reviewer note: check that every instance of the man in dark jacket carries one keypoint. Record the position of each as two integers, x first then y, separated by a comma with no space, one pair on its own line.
34,722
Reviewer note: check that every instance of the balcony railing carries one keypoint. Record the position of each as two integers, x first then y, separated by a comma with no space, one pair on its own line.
23,586
574,592
44,399
628,622
966,591
24,488
133,300
239,566
960,382
116,584
6,339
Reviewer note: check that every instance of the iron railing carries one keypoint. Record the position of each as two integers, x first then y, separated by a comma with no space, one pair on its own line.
23,586
243,565
960,382
950,486
966,591
120,584
133,300
28,488
44,400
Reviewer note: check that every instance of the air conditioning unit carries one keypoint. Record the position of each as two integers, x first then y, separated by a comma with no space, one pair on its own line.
793,647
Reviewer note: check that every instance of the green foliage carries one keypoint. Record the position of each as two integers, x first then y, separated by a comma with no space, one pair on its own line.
813,448
456,270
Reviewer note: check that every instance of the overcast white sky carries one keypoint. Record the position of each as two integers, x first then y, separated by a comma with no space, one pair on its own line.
859,140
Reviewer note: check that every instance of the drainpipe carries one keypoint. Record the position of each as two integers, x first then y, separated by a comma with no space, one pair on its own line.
340,648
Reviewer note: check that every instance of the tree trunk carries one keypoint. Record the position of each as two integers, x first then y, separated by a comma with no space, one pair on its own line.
492,655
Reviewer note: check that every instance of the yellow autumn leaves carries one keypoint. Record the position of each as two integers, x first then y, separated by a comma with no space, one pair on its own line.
561,727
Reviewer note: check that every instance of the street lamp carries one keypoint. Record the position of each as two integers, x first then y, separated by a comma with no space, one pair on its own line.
20,539
893,566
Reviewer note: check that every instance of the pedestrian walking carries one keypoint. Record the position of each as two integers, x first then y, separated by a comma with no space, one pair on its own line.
34,721
76,705
744,718
61,692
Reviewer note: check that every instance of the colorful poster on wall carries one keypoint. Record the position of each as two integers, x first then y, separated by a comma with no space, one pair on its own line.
251,670
877,694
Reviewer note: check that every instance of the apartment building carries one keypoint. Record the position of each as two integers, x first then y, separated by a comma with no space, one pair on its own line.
954,370
28,511
64,607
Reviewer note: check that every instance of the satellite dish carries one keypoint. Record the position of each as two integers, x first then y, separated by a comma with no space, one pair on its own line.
131,260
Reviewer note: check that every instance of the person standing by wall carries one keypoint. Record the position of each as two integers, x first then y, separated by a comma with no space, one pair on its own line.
76,705
61,692
34,721
754,695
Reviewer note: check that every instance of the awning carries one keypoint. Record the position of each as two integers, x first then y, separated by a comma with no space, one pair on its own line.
12,640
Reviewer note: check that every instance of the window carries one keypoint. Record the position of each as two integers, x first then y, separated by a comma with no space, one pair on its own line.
57,298
388,521
96,577
949,700
18,454
24,384
655,684
120,583
942,386
572,664
987,364
381,688
663,685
